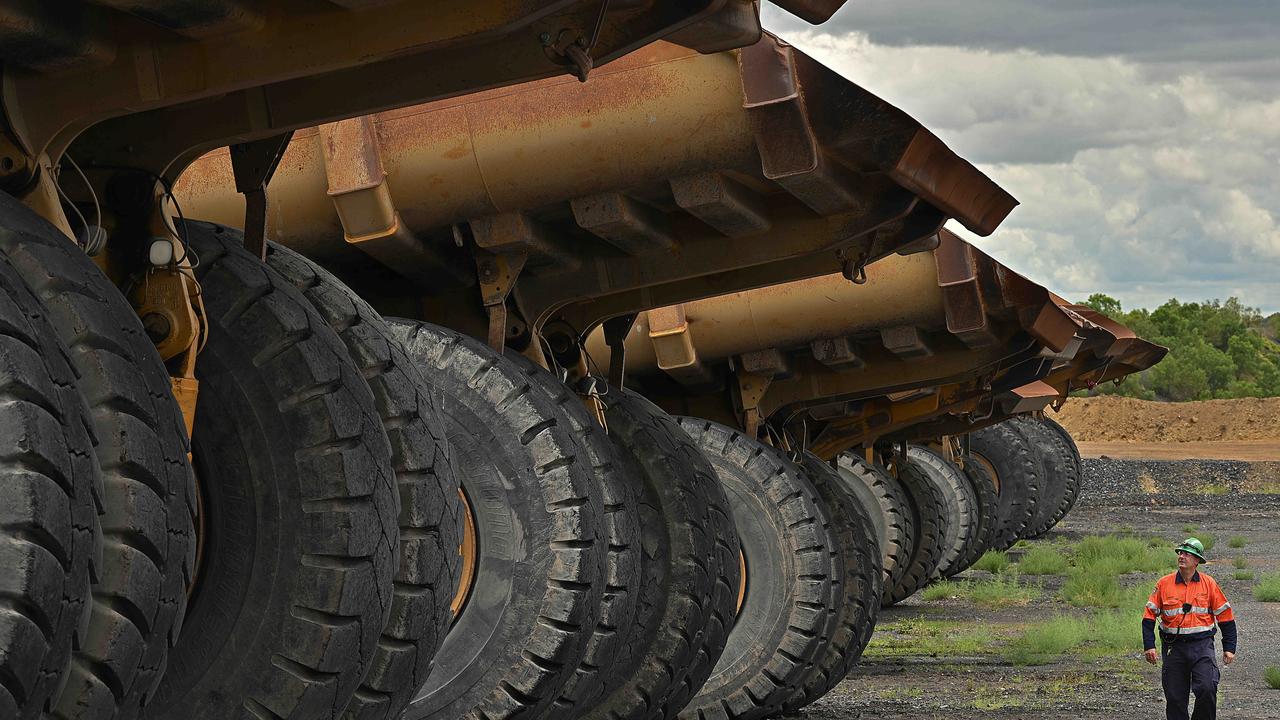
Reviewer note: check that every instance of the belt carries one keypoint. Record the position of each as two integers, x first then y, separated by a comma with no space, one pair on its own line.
1170,639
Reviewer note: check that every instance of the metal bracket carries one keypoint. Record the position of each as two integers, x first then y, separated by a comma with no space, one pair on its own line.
751,390
615,336
18,170
253,164
497,274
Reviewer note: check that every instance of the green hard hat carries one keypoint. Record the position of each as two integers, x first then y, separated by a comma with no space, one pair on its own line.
1193,546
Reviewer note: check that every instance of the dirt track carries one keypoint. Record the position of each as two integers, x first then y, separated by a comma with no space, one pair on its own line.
1250,450
1110,419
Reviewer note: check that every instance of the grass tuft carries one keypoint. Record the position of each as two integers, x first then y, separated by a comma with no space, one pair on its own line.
1243,575
1115,555
1093,589
1236,542
919,636
1106,633
1000,591
1042,643
1268,588
1272,676
1239,563
944,590
992,561
1042,561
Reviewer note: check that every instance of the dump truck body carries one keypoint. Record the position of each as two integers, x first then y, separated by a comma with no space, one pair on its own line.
948,333
671,176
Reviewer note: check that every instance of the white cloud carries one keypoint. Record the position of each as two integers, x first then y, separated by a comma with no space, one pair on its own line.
1135,180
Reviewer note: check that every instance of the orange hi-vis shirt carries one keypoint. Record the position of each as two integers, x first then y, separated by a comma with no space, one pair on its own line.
1188,608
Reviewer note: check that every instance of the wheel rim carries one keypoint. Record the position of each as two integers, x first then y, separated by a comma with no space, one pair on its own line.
200,530
995,477
742,582
469,552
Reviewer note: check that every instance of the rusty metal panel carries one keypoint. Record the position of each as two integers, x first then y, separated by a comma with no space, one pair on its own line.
722,203
898,291
45,37
930,169
627,224
813,11
906,341
193,18
967,314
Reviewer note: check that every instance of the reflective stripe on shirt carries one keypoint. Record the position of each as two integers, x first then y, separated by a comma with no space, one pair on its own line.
1194,630
1225,607
1193,611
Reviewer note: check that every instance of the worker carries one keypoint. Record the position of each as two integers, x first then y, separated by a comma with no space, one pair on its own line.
1189,605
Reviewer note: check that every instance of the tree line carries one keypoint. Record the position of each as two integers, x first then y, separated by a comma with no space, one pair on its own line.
1216,350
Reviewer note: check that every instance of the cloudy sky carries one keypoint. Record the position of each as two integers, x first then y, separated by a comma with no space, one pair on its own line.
1142,138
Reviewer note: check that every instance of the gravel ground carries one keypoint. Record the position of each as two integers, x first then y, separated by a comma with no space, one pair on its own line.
895,688
1208,484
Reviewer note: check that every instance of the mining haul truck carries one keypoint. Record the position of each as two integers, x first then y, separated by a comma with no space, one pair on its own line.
301,419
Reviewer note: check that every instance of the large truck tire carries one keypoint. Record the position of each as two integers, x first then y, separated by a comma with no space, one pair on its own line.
299,505
140,443
618,491
1073,490
776,639
928,514
1010,459
688,568
430,509
50,540
959,504
621,528
984,491
1057,473
894,521
539,563
858,579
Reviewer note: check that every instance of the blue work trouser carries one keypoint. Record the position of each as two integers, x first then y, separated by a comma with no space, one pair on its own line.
1189,667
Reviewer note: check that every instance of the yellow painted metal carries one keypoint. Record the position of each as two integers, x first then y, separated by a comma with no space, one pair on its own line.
142,70
454,160
44,199
186,390
900,290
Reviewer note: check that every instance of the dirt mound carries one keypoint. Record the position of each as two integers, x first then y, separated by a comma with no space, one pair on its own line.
1126,419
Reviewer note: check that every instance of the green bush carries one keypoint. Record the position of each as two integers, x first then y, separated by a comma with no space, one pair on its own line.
1217,350
1245,575
1268,588
1272,676
1239,563
1043,561
992,561
1237,542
